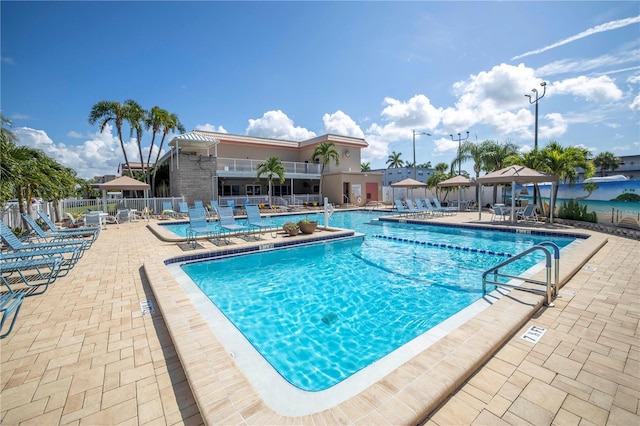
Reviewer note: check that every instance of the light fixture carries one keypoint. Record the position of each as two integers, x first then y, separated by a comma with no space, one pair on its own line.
347,154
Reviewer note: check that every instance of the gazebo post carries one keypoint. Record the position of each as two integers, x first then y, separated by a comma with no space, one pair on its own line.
480,201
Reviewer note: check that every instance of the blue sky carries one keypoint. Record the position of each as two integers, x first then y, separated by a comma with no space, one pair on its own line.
295,70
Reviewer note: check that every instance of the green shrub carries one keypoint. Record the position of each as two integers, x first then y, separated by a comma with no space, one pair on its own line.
573,211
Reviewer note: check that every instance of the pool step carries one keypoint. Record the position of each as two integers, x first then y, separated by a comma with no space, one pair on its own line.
443,245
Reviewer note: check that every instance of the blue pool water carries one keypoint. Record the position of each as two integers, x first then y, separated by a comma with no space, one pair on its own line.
319,313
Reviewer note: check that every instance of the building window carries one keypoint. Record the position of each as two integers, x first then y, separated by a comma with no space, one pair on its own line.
280,190
253,190
230,190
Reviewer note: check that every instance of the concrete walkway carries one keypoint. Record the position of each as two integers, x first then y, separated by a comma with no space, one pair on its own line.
84,353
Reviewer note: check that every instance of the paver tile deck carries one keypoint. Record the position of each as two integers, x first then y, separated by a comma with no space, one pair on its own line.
83,352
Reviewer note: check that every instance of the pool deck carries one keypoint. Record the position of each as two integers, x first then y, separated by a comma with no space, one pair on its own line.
84,353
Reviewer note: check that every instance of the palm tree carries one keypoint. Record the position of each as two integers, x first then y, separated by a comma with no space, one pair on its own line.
476,153
154,121
8,164
394,161
271,167
325,152
606,161
105,112
443,172
136,116
563,162
426,165
495,158
365,167
170,124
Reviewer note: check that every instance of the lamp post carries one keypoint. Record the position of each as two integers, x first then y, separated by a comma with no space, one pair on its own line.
531,101
414,150
460,139
535,131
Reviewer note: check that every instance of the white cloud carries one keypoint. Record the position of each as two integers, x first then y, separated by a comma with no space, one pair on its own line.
585,65
341,124
612,25
75,135
635,105
599,89
19,116
99,155
276,125
211,128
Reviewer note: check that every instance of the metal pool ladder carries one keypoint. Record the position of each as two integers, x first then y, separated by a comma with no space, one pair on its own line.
551,284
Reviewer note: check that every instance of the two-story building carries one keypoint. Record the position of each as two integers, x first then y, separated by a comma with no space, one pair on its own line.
220,166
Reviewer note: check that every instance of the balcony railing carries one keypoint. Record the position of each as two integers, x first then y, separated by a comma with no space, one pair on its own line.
251,166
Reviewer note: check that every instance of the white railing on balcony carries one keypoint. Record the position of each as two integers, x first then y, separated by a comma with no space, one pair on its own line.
251,166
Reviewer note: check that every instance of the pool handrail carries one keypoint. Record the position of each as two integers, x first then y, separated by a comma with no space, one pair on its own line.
551,285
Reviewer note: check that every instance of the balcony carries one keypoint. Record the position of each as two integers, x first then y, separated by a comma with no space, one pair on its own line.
246,168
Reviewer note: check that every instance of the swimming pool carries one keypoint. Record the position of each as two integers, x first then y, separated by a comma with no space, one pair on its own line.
322,312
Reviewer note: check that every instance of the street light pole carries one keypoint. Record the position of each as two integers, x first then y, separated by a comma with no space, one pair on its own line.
531,101
535,129
460,139
414,150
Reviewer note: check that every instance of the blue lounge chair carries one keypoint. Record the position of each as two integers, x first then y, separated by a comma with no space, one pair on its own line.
10,304
229,225
445,210
167,209
424,211
43,236
183,209
254,219
94,232
198,205
402,210
32,274
71,251
430,208
214,208
198,225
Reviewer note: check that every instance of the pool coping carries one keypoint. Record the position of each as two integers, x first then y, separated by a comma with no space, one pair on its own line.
408,394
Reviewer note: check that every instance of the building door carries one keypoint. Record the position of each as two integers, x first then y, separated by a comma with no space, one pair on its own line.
346,193
372,191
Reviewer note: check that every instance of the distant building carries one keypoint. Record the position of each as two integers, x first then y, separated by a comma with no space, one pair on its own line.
629,167
396,174
221,166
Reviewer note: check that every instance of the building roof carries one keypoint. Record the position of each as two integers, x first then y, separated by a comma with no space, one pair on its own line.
200,138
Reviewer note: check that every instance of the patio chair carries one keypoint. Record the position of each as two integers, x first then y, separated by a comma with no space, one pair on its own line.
167,209
43,236
214,208
183,209
123,215
93,218
10,304
255,219
431,209
198,225
71,251
528,214
229,225
499,213
424,211
198,205
32,274
80,230
445,210
402,210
